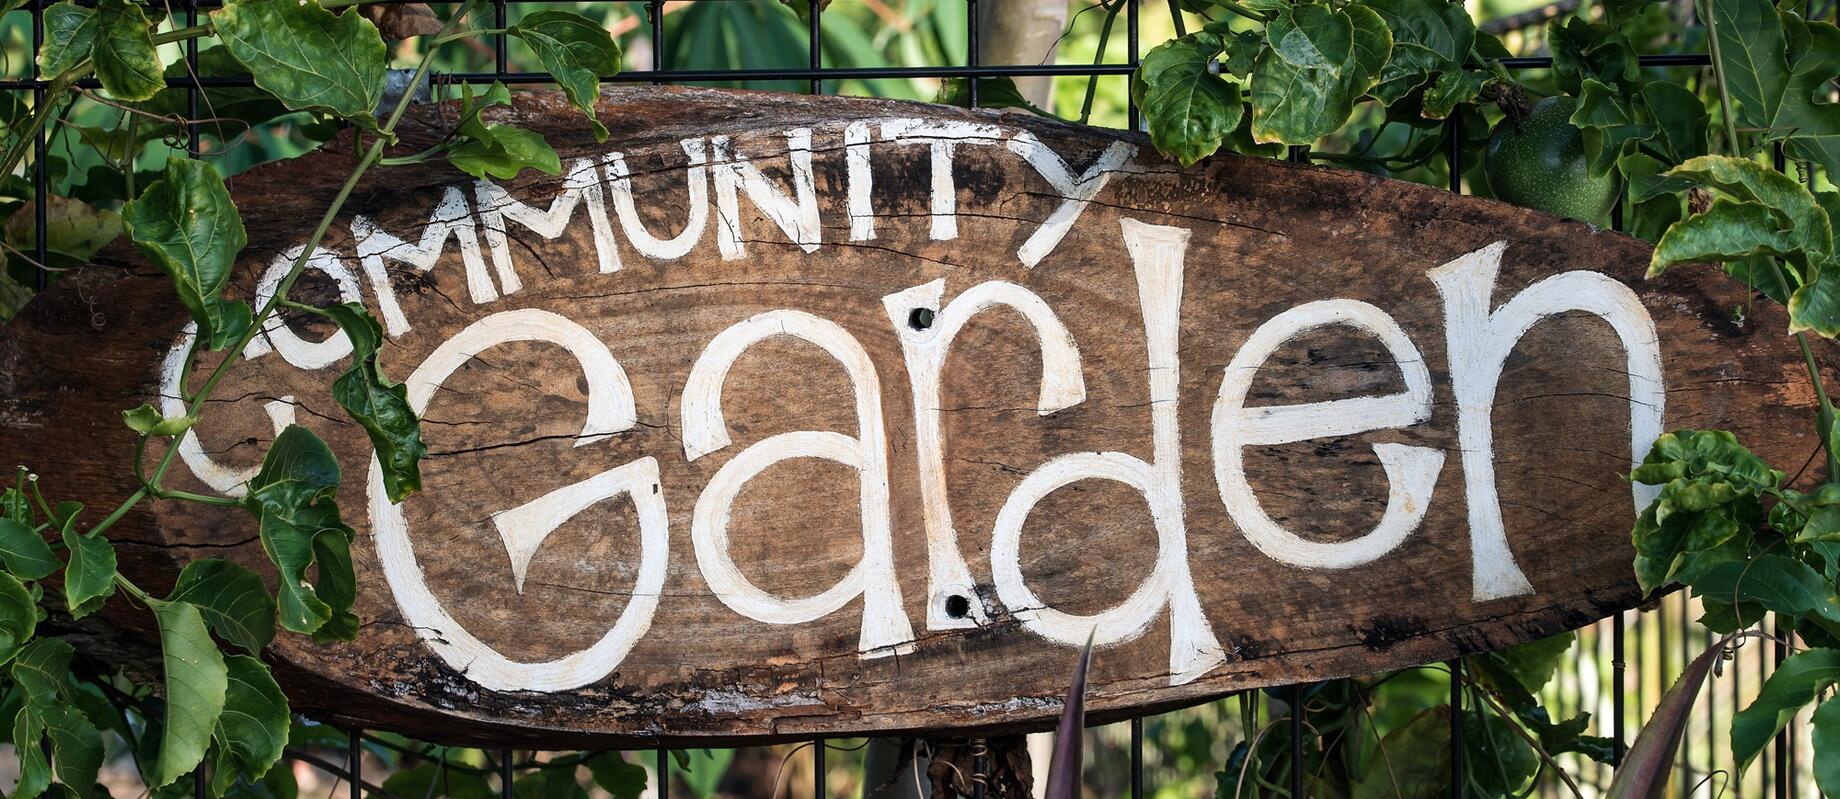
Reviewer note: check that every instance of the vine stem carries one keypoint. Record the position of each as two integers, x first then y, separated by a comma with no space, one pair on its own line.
1824,419
275,301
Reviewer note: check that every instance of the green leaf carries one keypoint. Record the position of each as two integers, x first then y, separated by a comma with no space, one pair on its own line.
1312,36
1826,724
995,91
1776,583
1777,67
1532,664
76,749
1747,180
89,579
1728,231
616,776
232,600
310,58
1583,50
253,730
1189,111
196,683
1680,116
1816,306
42,671
294,497
1795,682
1416,758
1611,124
575,51
1452,88
550,783
18,616
379,406
1298,105
25,552
1429,37
125,59
70,36
186,223
427,779
147,420
501,151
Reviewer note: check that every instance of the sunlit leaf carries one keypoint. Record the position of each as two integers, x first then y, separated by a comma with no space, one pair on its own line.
1189,110
309,57
576,51
125,59
1796,682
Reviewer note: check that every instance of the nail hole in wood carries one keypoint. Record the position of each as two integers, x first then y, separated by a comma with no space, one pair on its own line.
921,319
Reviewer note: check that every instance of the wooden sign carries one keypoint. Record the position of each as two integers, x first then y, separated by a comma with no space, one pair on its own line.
778,416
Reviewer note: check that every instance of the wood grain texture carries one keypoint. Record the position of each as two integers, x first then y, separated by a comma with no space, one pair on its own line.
504,429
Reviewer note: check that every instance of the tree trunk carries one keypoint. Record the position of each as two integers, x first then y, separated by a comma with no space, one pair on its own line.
1022,33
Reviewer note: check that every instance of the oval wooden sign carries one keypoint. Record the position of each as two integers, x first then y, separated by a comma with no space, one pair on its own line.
779,416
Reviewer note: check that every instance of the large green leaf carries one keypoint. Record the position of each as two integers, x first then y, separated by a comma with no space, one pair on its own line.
501,151
18,616
42,671
427,779
1585,50
994,91
89,578
1310,35
576,51
232,600
70,37
1749,181
25,552
1298,105
1429,37
1816,306
1778,584
1778,68
616,776
294,497
1795,682
253,730
125,59
187,224
76,749
1826,724
1728,231
378,405
1189,110
196,683
310,58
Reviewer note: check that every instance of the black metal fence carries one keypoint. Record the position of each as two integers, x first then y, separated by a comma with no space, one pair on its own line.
1617,672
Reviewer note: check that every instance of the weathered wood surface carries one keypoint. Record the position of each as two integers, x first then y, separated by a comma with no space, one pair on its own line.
1225,601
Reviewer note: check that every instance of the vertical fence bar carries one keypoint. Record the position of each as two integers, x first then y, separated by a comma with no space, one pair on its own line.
41,190
1294,697
818,767
1133,113
971,50
657,7
817,44
505,772
354,764
1137,758
664,773
501,43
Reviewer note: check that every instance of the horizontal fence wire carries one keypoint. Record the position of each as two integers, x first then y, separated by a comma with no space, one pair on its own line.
1617,672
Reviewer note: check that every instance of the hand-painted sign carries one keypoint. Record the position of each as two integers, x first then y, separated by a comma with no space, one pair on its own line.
778,416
